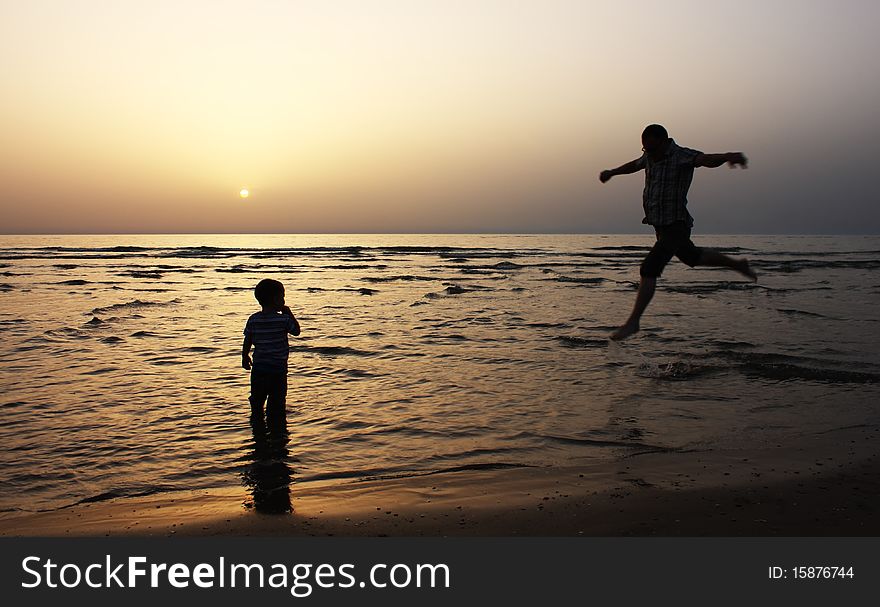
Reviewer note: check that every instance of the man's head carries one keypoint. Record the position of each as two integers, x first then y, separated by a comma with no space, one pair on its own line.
654,140
270,294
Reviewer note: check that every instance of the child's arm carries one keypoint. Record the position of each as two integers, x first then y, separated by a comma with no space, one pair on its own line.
293,327
246,353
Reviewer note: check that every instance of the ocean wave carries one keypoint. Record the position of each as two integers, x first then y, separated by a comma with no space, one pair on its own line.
824,253
356,254
794,312
331,350
679,370
452,336
100,371
544,325
595,442
355,373
798,265
623,248
464,254
198,349
764,365
164,361
10,324
728,250
479,272
150,334
702,289
210,252
64,332
788,372
593,280
123,492
582,342
151,274
389,473
137,303
785,367
725,344
456,290
399,277
147,290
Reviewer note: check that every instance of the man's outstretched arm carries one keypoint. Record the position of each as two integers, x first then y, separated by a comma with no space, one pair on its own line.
716,160
634,166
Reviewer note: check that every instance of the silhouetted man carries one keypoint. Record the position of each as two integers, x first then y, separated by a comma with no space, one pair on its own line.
669,169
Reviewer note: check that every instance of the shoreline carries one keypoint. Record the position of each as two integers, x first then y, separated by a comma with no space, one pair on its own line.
815,488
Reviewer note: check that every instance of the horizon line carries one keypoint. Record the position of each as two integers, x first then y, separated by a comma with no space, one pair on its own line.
455,233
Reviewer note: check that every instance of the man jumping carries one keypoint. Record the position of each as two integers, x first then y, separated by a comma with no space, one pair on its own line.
669,170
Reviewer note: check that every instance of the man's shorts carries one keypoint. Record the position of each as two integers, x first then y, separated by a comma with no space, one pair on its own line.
673,240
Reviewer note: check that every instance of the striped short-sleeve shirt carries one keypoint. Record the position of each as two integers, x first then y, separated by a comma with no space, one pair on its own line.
268,332
667,182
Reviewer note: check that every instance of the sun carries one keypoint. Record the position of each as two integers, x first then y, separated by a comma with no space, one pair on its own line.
244,193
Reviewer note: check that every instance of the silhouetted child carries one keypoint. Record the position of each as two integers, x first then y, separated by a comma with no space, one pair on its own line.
267,332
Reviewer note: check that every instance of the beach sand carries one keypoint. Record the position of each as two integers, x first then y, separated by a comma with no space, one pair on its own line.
825,487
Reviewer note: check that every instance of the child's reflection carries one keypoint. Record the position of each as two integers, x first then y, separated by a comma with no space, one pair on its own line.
268,474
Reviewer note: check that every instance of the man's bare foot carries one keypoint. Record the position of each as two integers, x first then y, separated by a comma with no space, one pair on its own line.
743,268
624,331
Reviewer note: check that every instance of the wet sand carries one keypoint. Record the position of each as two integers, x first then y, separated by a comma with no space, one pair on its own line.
828,486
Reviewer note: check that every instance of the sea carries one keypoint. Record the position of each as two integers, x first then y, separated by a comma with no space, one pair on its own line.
120,366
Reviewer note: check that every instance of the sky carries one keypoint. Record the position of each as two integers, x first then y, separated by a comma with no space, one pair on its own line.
422,116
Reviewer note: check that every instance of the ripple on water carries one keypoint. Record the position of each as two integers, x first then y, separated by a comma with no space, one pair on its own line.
451,355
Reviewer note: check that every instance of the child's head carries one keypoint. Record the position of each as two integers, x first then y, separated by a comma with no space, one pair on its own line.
270,293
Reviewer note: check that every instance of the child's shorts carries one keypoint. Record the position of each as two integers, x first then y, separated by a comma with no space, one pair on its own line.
269,388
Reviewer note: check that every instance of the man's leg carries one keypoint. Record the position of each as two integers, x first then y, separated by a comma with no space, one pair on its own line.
650,270
646,291
711,257
669,240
